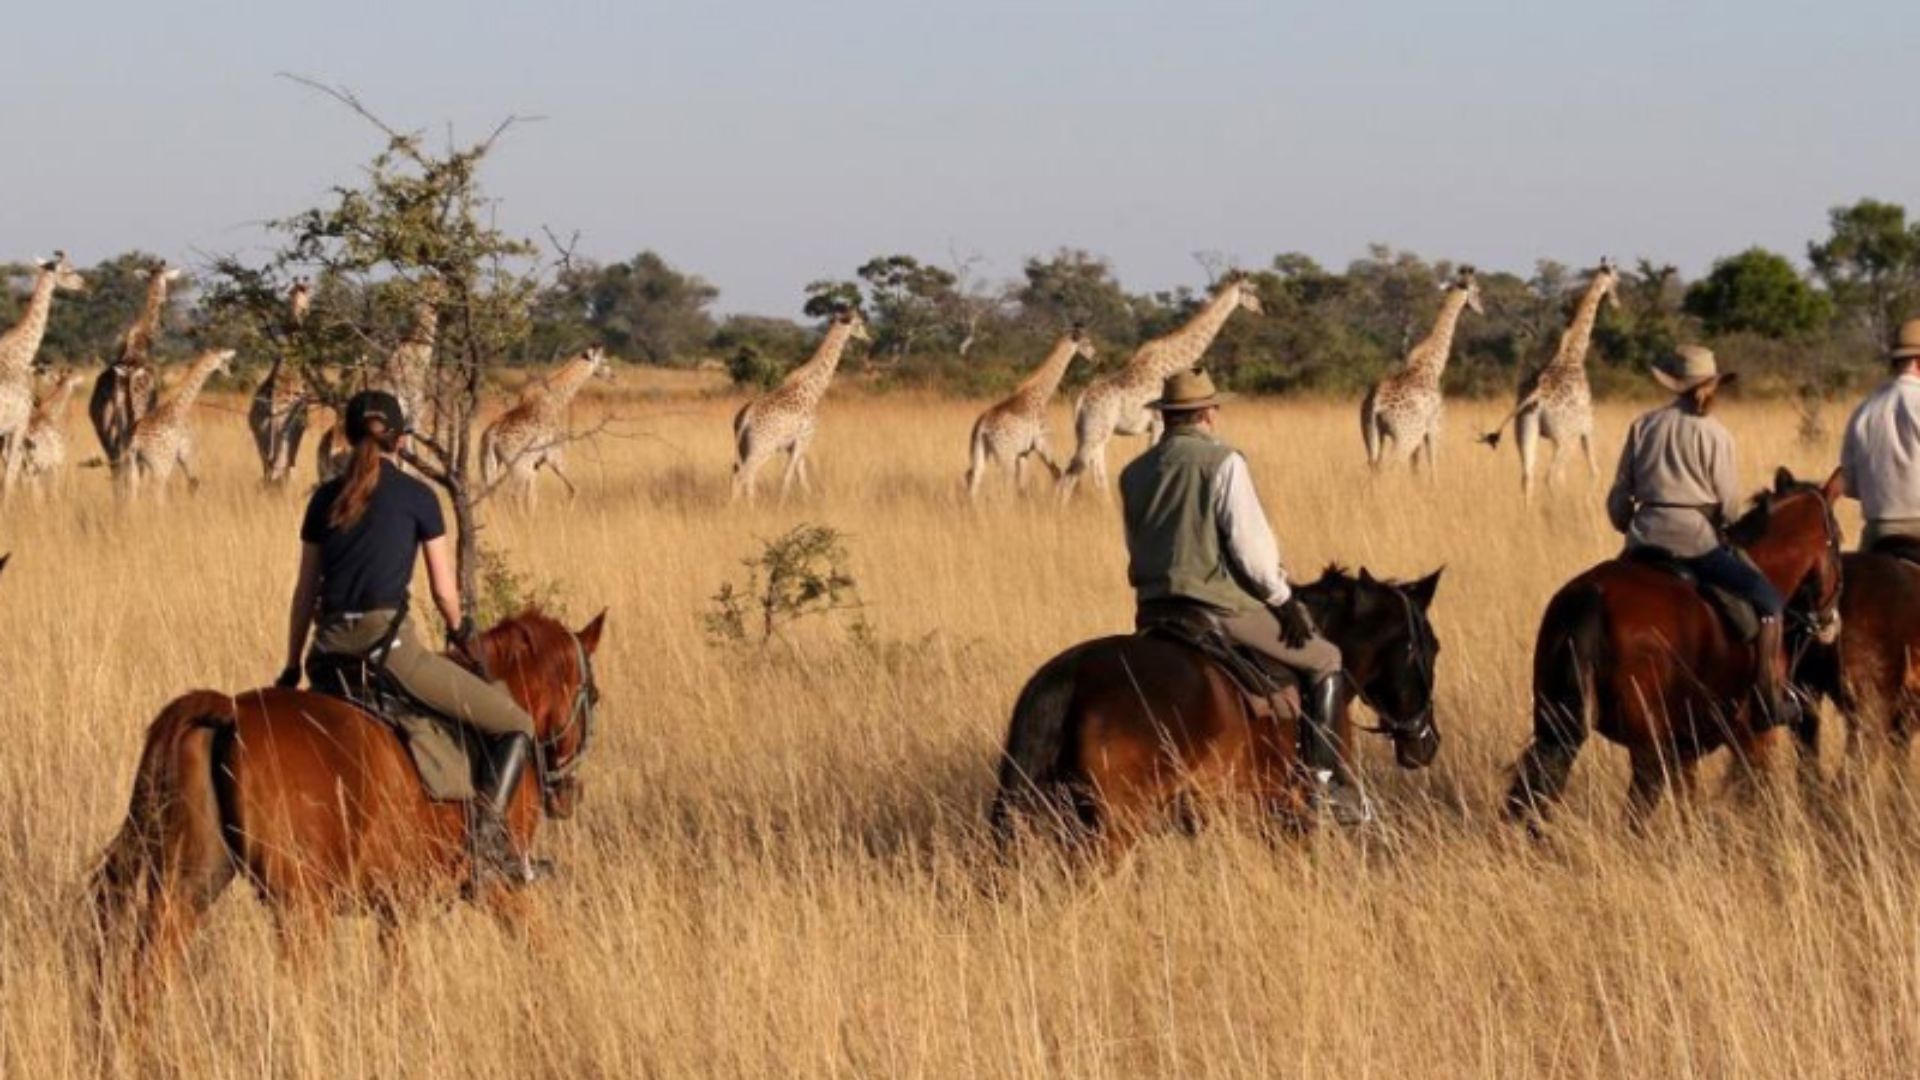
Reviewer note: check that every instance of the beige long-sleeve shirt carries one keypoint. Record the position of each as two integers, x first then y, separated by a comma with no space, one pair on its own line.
1881,455
1678,482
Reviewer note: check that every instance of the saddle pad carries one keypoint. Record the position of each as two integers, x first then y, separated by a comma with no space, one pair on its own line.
1904,548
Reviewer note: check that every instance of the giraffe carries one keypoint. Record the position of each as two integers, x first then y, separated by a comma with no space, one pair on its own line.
785,419
18,346
532,433
46,443
163,439
1406,407
278,414
127,389
407,374
1555,402
1017,426
1117,403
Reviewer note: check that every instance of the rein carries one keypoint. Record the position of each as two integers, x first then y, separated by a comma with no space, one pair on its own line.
1420,723
579,715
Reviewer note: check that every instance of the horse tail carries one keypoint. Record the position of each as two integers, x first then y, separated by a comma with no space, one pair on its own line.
1568,658
171,855
1036,737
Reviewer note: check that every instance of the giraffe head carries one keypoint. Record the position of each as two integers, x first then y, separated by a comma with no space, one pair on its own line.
850,317
1606,280
65,277
299,300
161,272
1246,293
599,364
219,361
1082,342
1468,281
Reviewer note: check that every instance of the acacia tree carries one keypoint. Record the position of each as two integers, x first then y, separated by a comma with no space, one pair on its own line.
418,230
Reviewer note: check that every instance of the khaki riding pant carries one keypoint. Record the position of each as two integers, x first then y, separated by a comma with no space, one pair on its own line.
434,680
1260,631
1879,530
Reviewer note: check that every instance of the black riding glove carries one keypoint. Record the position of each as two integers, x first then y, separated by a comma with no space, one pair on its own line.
462,636
1296,623
289,678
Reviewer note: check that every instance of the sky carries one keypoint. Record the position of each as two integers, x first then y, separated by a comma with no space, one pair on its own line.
769,143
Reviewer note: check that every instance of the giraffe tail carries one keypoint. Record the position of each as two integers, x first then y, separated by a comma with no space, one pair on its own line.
1369,427
740,430
1492,438
976,455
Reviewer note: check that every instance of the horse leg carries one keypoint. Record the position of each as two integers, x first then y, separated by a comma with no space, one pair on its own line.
1649,783
1540,777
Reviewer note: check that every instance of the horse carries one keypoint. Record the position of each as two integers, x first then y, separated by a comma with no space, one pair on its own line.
1872,672
1118,731
1632,651
319,805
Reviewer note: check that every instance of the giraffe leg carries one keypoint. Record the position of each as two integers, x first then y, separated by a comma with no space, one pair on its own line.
1526,436
786,475
1586,448
554,464
184,458
1018,467
1433,456
1553,463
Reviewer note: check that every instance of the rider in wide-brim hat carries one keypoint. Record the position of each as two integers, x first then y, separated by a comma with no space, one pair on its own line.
1690,368
1880,456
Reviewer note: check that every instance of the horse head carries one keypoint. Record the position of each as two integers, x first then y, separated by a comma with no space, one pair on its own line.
1792,535
549,668
1390,651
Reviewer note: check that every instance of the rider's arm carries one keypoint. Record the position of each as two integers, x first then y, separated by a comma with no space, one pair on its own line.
306,590
1726,476
1245,537
441,580
1620,496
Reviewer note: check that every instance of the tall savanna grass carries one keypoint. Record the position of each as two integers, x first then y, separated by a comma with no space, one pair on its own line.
779,868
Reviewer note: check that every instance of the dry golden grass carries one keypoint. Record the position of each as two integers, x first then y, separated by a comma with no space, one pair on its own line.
779,869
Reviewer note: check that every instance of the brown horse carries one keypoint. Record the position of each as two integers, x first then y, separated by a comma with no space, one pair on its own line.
319,804
1872,673
1633,652
1119,731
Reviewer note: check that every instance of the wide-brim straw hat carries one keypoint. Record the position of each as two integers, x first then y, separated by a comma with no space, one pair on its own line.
1689,368
1186,391
1906,344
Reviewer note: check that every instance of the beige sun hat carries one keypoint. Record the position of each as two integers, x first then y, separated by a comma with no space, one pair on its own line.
1906,344
1690,367
1186,391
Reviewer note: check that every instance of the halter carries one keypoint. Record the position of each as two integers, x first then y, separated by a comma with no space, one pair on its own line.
1420,724
555,771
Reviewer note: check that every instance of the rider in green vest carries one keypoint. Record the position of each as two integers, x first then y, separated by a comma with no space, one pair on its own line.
1197,538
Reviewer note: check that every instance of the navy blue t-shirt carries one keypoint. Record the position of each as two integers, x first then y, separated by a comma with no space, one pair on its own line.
369,566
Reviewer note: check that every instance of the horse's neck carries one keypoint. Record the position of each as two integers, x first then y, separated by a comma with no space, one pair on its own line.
1785,556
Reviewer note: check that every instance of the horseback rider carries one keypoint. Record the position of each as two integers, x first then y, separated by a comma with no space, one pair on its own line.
1881,456
1677,488
357,546
1197,537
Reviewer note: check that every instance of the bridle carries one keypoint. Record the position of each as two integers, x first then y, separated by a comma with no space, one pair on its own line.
1820,620
556,770
1420,724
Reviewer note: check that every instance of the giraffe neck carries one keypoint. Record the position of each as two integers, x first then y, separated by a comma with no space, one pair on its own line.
138,347
189,386
1038,387
56,402
1579,334
566,383
810,379
1184,347
1429,358
19,345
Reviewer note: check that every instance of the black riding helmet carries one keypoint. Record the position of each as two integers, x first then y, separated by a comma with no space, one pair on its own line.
370,405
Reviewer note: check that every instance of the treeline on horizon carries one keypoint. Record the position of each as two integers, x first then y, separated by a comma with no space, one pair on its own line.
1326,331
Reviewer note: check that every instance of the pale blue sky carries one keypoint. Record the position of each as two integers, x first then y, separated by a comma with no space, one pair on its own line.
765,144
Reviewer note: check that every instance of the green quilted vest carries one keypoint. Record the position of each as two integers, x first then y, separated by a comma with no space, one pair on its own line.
1173,542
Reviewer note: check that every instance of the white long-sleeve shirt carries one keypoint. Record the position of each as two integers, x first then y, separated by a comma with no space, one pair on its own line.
1246,539
1881,455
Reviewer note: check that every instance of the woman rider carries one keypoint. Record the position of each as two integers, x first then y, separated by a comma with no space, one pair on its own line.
1678,487
357,547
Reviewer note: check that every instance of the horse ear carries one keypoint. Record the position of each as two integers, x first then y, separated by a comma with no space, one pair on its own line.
1366,576
1783,480
1836,486
1422,591
589,634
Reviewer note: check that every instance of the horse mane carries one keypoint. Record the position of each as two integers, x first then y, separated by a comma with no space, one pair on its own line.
1753,523
528,643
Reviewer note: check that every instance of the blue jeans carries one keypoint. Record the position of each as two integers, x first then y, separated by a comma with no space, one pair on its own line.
1723,568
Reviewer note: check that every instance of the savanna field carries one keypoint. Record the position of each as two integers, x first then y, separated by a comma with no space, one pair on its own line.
780,866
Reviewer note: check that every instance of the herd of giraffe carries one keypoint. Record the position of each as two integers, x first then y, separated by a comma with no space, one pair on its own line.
146,435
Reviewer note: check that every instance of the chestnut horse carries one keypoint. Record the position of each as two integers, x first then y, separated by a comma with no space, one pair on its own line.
1872,673
1118,731
1633,652
319,804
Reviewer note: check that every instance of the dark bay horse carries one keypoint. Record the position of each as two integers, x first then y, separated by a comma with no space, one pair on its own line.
1119,731
1872,672
318,804
1633,652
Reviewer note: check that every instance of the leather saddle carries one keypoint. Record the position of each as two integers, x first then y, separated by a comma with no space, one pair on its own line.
1736,612
447,754
1269,687
1904,548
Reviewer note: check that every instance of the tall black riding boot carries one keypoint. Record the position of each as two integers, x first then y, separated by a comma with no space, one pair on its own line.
1778,706
494,858
1333,788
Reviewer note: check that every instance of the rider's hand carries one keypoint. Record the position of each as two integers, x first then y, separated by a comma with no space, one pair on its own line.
1296,623
463,636
289,678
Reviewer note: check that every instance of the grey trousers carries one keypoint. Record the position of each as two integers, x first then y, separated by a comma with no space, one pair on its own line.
1260,631
437,681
